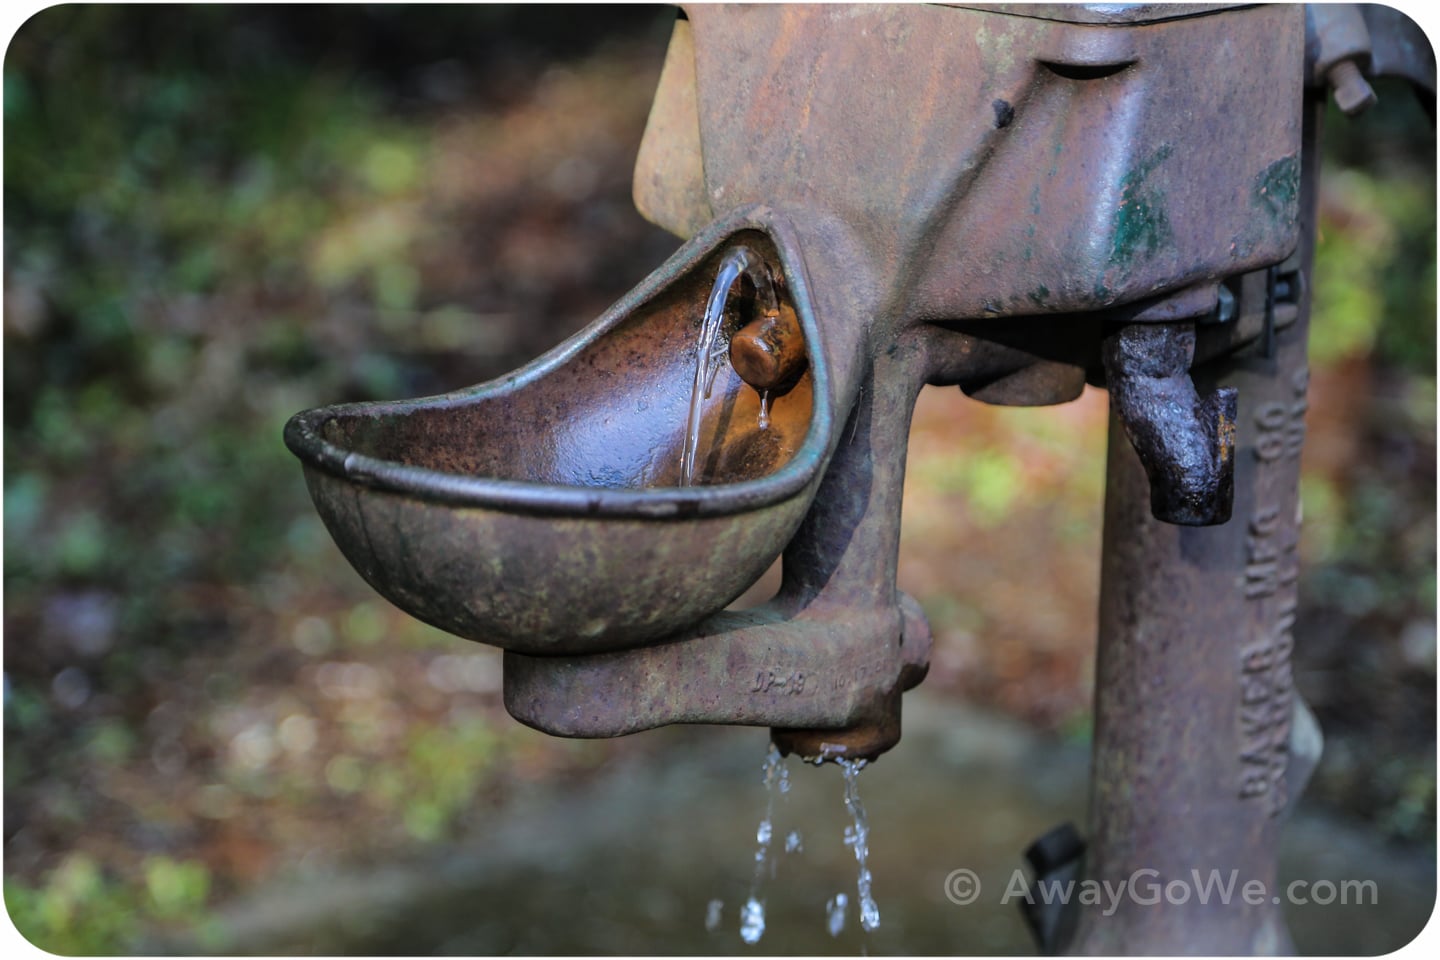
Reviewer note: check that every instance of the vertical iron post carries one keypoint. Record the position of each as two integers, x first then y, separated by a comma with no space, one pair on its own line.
1192,768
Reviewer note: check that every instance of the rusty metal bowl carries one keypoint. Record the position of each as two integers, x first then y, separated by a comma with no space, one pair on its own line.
541,512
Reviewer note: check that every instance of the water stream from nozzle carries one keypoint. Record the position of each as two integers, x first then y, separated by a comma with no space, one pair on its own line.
857,838
710,353
752,914
776,777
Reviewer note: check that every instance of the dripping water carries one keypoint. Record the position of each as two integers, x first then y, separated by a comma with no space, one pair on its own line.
764,409
835,914
752,921
752,914
857,839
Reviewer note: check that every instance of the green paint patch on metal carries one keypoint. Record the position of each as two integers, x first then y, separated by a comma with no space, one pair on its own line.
1140,227
1039,295
1277,189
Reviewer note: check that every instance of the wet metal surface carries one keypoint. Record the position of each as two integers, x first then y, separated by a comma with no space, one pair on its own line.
540,513
769,353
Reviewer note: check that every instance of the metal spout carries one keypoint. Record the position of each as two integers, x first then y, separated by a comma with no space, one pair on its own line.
1185,442
880,731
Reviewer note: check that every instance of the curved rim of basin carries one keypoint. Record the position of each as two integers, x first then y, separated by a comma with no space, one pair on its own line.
303,436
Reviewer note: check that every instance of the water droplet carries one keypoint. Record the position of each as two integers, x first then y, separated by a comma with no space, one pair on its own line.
752,921
792,842
764,409
752,915
712,914
835,914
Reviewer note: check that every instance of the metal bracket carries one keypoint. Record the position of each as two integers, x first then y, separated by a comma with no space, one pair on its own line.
1055,859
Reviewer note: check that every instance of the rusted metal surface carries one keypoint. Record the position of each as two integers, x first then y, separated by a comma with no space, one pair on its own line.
810,670
1073,168
878,728
1195,763
669,184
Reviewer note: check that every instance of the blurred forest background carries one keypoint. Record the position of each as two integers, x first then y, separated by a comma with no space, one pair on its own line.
216,216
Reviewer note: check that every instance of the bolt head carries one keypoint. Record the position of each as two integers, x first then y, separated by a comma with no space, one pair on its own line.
1353,93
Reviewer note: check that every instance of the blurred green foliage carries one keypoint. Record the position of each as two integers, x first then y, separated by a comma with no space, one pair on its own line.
1374,302
163,195
1366,650
1375,260
211,223
1375,272
78,911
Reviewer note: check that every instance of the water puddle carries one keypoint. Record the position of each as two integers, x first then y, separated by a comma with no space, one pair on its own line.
710,353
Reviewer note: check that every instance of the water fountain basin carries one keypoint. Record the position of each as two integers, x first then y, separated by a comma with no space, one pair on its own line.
542,512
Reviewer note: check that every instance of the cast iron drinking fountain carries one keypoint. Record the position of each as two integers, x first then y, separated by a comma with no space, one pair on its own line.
1015,200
